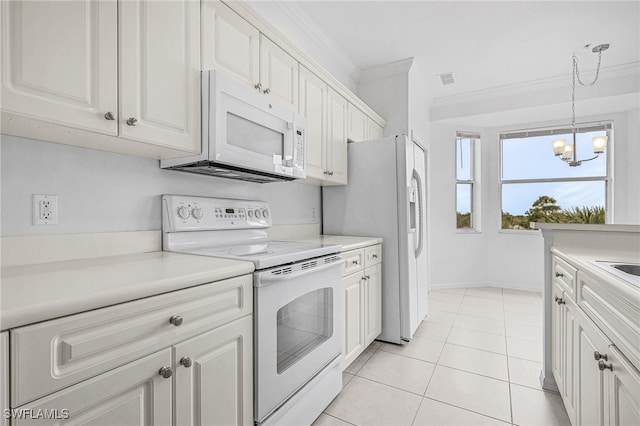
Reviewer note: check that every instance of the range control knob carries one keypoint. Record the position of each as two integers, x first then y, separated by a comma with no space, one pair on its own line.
197,213
258,214
250,213
265,213
183,212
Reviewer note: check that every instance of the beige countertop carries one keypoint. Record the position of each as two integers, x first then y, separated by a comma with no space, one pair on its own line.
39,292
347,242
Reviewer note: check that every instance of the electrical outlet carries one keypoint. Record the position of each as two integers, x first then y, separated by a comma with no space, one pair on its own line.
45,209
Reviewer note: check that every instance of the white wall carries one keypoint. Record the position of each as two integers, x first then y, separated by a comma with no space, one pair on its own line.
510,258
105,192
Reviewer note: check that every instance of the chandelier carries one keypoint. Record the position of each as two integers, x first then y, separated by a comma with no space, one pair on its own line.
568,152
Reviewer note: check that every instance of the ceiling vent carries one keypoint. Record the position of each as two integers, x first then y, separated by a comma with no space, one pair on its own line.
446,79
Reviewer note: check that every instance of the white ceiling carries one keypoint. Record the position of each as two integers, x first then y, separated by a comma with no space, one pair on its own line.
486,44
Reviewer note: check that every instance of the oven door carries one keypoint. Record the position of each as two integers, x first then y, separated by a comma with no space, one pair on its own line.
297,327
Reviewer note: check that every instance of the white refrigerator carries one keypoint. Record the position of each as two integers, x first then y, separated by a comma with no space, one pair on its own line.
386,197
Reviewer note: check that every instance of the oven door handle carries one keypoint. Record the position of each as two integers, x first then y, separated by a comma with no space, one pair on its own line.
266,278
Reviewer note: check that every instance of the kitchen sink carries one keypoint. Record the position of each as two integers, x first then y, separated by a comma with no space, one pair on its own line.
629,272
628,268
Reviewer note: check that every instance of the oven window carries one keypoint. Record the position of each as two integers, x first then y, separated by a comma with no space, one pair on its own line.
304,324
253,137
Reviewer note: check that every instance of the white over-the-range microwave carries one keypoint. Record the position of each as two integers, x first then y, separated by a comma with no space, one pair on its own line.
246,135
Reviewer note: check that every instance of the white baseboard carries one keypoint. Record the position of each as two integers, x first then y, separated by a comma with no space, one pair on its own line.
441,286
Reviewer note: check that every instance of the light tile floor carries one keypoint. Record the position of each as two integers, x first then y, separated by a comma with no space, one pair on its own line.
474,361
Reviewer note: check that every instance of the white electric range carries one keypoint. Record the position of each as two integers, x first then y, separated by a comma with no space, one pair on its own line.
297,301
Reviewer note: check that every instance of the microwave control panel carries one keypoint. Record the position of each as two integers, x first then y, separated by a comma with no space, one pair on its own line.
184,213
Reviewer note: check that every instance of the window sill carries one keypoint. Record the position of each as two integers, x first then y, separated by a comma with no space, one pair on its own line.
468,231
519,231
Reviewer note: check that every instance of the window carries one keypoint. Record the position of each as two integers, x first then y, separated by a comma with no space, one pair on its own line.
466,181
537,186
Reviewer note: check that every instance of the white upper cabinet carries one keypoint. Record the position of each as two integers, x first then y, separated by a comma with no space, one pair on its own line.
129,69
337,134
59,62
358,124
278,72
160,72
376,131
4,376
313,105
229,43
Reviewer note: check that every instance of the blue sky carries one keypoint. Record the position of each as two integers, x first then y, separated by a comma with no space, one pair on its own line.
532,158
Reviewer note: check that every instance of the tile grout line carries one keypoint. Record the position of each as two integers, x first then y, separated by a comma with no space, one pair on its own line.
508,370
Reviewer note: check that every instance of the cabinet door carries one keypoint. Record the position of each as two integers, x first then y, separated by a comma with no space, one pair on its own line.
569,348
4,376
278,72
217,387
375,131
229,43
624,394
557,336
337,137
358,124
134,394
59,62
373,303
313,105
591,382
160,72
353,316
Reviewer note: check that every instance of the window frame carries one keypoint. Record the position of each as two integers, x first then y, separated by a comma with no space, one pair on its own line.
564,129
474,180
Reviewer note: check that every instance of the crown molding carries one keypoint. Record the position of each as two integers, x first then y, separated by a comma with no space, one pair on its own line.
557,82
330,48
386,70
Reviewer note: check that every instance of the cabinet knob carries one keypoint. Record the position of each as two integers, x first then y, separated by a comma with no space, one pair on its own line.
258,86
186,361
598,356
176,320
375,256
132,121
330,173
266,91
367,277
559,274
355,262
109,116
561,302
604,366
166,372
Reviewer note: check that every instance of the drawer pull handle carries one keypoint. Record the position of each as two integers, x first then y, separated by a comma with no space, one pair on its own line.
603,366
186,361
559,274
355,262
598,356
375,256
166,372
176,320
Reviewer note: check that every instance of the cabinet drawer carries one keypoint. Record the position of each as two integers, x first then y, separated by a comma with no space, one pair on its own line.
353,261
51,355
372,255
565,275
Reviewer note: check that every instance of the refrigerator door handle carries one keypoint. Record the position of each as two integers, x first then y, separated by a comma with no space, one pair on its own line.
420,212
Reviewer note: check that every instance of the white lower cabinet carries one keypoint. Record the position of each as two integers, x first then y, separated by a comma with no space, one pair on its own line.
362,301
214,381
183,358
4,377
598,383
134,394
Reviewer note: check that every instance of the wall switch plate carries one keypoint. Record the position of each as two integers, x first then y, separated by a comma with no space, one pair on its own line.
45,209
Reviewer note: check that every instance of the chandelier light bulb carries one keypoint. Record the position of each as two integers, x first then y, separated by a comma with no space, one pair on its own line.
558,146
599,144
568,151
